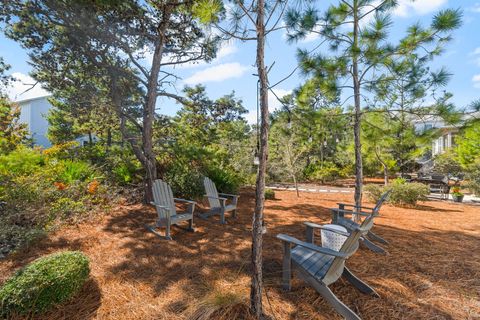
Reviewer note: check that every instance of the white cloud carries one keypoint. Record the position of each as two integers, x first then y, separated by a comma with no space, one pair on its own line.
21,88
408,7
226,49
476,81
475,8
312,36
218,73
273,103
476,56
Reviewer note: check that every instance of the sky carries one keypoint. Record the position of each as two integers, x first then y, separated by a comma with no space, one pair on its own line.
233,68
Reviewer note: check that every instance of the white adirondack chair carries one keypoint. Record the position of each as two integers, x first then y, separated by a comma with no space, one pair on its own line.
164,202
218,201
320,267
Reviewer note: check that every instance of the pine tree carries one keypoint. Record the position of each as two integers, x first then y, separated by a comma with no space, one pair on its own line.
356,33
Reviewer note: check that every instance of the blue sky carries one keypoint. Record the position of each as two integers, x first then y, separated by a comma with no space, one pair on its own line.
234,66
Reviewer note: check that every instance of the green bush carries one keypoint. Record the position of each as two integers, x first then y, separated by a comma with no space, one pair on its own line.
185,180
269,194
45,282
226,180
21,161
70,171
402,193
473,176
41,192
325,172
374,191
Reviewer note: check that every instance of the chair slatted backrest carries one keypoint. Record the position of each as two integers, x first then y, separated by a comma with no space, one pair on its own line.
211,191
163,195
349,247
380,202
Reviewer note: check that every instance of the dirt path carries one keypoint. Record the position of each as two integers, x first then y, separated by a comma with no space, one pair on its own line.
432,270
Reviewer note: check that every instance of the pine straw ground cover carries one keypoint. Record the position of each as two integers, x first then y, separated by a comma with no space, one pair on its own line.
432,270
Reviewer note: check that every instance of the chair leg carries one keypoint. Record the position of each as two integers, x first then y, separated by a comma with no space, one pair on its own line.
152,229
370,245
222,216
287,267
376,237
359,284
167,232
234,213
338,305
205,215
190,226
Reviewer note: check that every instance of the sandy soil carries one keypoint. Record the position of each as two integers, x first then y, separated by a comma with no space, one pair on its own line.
432,270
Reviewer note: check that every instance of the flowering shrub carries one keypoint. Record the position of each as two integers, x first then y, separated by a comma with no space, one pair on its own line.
40,192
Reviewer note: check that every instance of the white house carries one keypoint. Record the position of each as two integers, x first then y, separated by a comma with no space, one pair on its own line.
33,112
447,133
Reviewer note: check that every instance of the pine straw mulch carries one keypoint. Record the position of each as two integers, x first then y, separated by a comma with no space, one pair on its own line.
432,270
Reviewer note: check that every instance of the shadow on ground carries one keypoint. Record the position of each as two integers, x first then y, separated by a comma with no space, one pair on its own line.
430,271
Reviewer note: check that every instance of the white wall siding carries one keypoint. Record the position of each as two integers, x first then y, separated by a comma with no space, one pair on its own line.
33,113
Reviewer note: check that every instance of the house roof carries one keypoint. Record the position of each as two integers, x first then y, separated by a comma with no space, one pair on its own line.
32,99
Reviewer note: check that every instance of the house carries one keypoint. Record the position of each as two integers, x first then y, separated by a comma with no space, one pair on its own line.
33,113
446,132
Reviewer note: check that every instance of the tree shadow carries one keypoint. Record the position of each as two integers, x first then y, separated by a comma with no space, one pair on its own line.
423,263
82,306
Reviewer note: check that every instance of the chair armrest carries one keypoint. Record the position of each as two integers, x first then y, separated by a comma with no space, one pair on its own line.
354,206
159,205
219,198
183,200
311,246
229,195
364,214
318,226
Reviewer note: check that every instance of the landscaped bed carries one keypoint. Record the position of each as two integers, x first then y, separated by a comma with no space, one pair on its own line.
432,270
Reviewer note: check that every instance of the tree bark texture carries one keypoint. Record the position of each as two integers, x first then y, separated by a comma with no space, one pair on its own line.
257,281
357,116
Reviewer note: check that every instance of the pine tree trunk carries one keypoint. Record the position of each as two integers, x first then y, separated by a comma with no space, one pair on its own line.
149,109
295,183
257,228
385,174
357,117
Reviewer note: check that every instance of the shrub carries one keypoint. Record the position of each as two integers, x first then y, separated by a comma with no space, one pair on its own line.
63,151
226,180
374,191
21,161
184,180
326,172
408,193
41,192
402,193
70,171
45,282
473,177
269,194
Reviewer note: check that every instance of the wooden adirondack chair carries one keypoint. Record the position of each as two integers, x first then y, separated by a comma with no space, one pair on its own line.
164,202
338,217
218,201
320,267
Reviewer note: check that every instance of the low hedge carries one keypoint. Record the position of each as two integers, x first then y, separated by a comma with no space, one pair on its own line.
269,194
43,283
402,193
